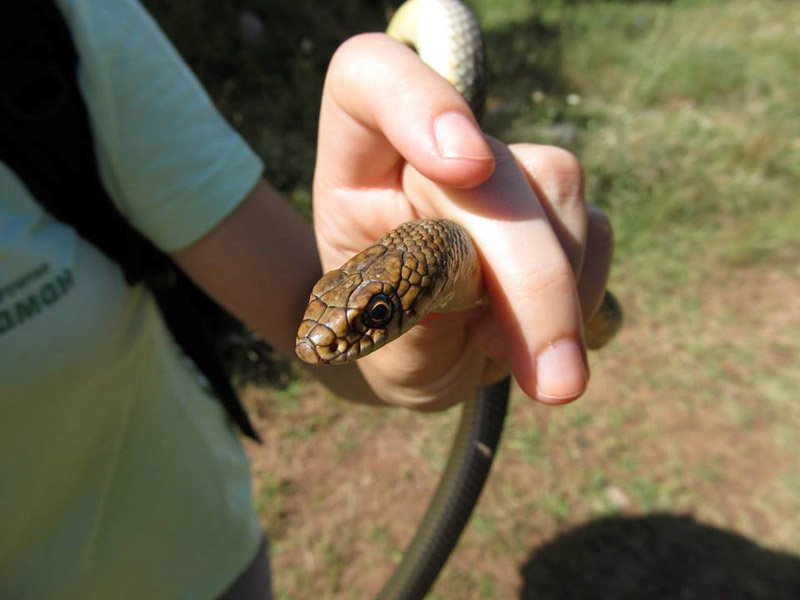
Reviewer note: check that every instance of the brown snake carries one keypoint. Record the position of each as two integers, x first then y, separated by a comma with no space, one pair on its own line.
422,266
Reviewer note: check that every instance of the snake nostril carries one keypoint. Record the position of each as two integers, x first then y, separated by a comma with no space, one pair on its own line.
333,348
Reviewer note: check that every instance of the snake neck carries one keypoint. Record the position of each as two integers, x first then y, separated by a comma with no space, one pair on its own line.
440,270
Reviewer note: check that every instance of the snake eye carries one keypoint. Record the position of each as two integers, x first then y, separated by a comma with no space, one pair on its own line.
378,311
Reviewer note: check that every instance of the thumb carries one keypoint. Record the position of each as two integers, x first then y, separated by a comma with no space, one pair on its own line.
382,106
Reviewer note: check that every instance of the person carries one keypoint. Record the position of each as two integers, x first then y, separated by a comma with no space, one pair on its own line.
120,477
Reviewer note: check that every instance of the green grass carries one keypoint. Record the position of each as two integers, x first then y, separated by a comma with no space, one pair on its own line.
685,122
271,503
684,115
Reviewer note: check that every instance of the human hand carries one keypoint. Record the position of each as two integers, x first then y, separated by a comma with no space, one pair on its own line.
396,143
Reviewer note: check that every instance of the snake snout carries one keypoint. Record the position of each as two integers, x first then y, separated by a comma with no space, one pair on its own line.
321,354
320,345
305,352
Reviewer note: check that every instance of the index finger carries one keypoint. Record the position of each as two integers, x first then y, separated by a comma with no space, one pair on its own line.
530,281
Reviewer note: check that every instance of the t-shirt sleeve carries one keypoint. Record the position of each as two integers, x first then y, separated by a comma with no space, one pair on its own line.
171,163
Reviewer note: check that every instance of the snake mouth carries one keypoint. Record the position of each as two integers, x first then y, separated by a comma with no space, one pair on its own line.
339,351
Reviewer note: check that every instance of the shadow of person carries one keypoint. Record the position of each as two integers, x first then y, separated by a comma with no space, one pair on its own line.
657,557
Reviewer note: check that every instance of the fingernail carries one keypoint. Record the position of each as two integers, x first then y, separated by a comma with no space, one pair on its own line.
561,373
458,137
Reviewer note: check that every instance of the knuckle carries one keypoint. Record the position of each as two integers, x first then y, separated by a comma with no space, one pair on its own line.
360,68
601,231
548,281
354,46
561,178
565,163
353,59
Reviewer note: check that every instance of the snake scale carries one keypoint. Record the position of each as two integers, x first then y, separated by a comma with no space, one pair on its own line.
424,266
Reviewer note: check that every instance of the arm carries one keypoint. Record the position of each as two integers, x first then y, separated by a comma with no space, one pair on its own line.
260,263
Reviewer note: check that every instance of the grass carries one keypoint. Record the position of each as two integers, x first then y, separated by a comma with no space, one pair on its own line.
683,455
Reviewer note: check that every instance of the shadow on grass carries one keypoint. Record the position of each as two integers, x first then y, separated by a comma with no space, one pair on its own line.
658,557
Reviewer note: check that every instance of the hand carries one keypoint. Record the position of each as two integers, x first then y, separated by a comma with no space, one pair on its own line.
397,142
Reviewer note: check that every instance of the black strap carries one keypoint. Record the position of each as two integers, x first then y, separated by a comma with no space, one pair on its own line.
45,137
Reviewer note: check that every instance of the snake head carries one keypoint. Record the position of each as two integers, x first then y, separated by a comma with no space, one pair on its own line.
386,289
347,318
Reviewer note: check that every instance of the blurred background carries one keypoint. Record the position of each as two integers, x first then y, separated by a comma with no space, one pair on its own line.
677,475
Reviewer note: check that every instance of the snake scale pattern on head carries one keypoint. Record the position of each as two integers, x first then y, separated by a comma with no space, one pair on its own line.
423,266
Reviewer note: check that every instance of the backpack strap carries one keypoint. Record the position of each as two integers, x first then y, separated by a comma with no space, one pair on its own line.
45,137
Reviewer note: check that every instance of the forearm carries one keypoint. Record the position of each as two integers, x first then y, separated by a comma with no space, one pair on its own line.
260,264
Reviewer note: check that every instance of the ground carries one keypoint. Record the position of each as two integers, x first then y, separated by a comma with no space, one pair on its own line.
342,488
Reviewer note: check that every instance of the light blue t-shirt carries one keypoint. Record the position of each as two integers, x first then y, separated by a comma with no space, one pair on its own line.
120,477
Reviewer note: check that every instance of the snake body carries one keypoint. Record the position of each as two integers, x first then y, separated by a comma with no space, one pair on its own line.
447,36
425,266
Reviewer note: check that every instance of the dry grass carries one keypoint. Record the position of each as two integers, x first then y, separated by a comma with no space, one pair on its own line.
692,419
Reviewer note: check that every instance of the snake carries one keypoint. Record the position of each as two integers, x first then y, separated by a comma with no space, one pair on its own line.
421,267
